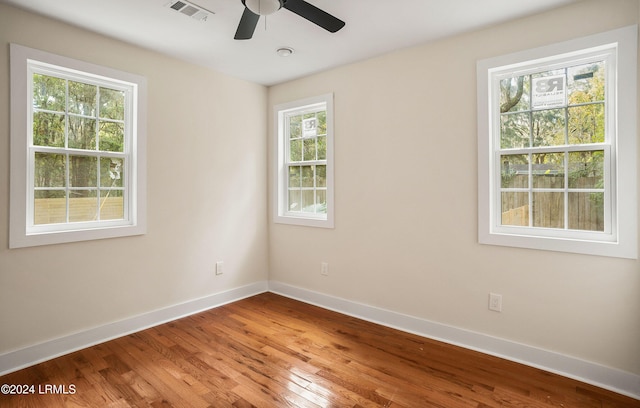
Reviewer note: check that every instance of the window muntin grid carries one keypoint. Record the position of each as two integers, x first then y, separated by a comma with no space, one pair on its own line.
554,147
306,161
79,149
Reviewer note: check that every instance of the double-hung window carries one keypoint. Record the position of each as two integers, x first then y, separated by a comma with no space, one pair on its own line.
305,162
557,148
77,141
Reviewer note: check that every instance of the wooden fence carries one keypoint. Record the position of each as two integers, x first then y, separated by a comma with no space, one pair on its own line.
516,216
54,210
585,209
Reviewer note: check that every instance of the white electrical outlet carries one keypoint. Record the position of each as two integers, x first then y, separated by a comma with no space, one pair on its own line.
324,268
495,302
219,268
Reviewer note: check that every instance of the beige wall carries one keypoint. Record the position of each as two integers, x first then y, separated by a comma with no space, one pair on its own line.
206,197
405,136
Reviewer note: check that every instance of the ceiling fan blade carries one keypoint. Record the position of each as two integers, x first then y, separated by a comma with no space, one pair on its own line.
247,26
314,14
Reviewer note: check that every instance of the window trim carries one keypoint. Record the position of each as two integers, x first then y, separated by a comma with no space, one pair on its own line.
281,215
20,235
622,239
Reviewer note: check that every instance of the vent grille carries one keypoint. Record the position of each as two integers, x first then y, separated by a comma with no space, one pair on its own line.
191,10
178,5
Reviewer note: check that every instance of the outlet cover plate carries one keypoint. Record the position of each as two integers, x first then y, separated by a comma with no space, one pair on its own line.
495,302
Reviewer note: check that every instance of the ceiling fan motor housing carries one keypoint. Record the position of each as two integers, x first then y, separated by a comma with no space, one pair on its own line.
253,9
263,7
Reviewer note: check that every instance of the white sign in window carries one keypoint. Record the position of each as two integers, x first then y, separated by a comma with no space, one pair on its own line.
548,91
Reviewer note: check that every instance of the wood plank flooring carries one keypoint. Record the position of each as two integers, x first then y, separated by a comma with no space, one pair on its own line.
270,351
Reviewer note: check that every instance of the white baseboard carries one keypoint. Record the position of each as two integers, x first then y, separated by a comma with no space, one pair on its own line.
612,379
28,356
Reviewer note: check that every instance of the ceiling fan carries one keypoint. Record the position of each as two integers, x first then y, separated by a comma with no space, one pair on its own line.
256,8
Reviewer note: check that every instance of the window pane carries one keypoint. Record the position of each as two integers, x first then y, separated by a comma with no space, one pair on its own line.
50,207
548,89
515,130
514,171
82,133
294,200
309,149
295,150
321,176
514,94
586,83
310,126
48,129
111,172
83,171
548,210
83,205
322,122
586,211
111,205
82,98
321,201
515,209
295,126
308,203
307,176
49,170
111,104
322,148
111,136
549,127
294,176
586,124
49,93
548,170
586,169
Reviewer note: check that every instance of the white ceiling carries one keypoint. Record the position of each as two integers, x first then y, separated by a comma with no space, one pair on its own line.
373,27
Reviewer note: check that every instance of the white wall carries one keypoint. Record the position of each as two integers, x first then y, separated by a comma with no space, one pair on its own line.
406,203
206,197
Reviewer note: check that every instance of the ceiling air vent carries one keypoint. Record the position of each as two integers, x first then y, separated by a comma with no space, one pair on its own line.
189,9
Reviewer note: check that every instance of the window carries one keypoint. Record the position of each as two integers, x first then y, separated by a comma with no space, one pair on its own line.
305,162
557,150
77,158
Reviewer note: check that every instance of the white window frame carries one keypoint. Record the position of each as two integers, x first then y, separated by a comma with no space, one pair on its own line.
24,62
620,237
281,213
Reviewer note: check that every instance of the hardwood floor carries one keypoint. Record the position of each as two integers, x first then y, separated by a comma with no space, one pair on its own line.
270,351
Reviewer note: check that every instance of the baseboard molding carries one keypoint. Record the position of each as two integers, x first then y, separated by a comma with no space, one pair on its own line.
28,356
605,377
